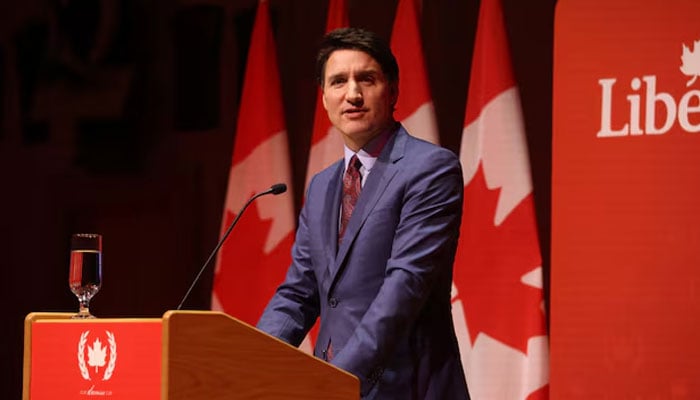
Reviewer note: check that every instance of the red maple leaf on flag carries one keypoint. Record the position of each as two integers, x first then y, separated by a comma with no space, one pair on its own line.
539,394
251,276
490,263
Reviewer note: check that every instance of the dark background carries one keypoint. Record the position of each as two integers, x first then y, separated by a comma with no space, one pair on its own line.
118,117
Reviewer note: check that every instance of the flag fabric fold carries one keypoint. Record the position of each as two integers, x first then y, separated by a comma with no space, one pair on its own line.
498,301
414,108
254,259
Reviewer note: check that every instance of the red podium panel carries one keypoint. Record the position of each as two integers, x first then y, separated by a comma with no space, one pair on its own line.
105,358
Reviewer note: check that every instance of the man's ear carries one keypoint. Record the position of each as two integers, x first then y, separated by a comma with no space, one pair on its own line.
394,94
323,97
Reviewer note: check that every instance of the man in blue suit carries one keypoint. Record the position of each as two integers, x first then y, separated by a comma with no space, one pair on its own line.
376,266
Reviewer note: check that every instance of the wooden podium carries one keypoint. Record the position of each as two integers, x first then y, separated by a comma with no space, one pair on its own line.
183,355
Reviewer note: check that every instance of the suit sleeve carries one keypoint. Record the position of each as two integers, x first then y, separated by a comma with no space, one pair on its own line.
294,308
422,253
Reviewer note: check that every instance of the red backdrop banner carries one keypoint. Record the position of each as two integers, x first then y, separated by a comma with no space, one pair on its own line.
625,294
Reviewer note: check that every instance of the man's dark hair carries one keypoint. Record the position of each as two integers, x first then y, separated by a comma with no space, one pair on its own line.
357,39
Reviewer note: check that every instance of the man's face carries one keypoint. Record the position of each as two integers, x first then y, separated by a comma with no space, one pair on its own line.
357,96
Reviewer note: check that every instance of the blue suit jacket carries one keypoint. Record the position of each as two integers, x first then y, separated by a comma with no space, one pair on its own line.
383,294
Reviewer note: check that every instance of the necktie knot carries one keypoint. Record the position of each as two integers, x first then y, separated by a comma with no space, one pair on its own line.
356,163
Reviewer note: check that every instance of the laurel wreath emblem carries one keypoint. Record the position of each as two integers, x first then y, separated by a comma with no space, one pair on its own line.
81,356
112,356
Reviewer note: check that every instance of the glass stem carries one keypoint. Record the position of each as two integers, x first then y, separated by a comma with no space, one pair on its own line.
84,306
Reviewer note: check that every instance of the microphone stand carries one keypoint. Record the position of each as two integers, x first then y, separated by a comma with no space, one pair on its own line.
274,189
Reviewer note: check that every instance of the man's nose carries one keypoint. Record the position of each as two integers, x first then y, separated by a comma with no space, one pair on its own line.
354,95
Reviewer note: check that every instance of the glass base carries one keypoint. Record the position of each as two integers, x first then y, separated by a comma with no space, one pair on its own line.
84,310
83,316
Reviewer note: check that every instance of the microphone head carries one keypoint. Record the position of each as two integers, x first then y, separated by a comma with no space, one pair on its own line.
278,188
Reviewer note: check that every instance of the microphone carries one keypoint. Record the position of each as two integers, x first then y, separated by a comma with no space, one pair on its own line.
275,189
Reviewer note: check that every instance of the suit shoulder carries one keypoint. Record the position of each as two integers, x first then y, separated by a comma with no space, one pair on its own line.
423,149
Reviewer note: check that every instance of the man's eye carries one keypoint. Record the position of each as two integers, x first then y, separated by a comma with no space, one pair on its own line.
368,79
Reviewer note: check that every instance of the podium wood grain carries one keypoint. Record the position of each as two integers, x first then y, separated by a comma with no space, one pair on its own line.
210,355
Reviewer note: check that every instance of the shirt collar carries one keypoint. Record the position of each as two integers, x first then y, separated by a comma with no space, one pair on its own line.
369,153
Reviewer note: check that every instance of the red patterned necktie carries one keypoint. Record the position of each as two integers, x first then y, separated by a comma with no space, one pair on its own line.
352,184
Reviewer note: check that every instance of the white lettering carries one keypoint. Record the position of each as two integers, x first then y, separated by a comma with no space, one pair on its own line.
606,112
686,111
93,392
651,100
633,99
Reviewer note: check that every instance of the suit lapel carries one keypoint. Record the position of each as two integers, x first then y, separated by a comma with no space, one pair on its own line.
383,171
332,211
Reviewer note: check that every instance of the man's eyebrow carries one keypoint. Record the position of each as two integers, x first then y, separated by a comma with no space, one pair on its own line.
335,76
367,73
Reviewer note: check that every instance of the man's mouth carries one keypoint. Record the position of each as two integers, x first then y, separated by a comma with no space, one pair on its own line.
354,111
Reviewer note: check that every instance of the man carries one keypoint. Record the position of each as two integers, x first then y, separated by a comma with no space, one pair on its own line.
376,267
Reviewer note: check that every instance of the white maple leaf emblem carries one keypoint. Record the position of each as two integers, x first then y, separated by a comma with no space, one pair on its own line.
97,354
691,61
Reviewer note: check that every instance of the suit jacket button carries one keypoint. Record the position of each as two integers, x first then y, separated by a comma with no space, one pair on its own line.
333,302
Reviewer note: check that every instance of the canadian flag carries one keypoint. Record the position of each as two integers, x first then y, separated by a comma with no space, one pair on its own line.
326,142
497,299
255,257
415,106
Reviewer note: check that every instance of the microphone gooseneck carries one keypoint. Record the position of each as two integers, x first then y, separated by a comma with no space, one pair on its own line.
275,189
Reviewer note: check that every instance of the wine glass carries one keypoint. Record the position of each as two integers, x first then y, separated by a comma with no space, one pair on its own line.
85,277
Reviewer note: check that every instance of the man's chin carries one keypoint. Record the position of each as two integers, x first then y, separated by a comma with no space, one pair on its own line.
356,139
355,129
